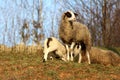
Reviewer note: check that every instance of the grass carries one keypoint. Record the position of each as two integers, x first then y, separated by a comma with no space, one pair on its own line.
117,50
22,66
114,49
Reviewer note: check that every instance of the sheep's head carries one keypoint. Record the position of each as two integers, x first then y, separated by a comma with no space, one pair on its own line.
69,15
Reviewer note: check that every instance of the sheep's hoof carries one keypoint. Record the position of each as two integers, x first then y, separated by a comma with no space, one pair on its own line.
43,60
89,62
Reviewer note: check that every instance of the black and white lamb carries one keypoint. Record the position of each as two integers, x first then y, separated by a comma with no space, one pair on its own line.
53,45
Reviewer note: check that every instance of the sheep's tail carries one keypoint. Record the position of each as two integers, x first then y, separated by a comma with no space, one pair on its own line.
88,40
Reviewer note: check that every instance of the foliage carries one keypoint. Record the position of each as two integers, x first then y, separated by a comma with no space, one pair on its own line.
101,17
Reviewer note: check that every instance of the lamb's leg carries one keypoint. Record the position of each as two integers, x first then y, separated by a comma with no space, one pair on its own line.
63,59
71,51
80,54
45,56
80,58
88,56
67,51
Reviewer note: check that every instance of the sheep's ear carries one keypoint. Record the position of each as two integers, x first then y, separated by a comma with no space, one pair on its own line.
75,14
68,14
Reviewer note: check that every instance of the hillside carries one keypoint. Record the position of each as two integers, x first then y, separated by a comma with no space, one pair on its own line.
22,66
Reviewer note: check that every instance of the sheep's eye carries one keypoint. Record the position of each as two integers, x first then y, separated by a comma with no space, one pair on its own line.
68,14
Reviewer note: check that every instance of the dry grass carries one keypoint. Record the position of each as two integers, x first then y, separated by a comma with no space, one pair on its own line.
21,48
22,66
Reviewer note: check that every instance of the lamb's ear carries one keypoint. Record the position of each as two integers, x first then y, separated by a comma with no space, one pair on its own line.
68,14
75,14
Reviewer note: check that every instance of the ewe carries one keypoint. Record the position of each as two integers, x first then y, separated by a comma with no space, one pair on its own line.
71,32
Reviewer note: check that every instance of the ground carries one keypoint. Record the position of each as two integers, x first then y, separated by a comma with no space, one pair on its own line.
22,66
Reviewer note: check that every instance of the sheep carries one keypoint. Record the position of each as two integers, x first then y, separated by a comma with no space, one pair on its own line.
105,57
83,37
100,56
71,32
65,30
53,45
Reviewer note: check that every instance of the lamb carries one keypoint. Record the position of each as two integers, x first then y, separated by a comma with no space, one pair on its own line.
53,45
100,56
71,32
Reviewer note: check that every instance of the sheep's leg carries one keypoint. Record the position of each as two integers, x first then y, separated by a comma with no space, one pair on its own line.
45,56
63,59
71,52
80,58
67,52
80,55
88,56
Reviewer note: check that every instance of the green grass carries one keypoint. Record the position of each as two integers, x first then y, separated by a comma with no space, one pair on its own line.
114,49
21,66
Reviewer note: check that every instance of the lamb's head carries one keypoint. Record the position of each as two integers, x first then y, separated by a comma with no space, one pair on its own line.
69,16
